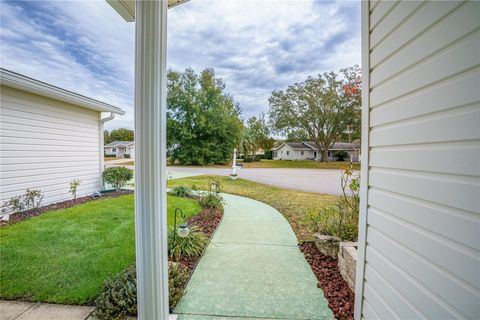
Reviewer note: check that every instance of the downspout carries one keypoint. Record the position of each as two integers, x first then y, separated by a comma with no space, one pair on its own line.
101,145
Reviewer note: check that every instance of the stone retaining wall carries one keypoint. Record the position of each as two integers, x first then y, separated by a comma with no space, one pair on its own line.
347,262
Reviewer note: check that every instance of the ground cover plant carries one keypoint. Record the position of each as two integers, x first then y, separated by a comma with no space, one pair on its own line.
118,298
65,256
293,204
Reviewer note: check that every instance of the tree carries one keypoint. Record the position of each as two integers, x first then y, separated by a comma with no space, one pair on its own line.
255,135
298,135
203,125
121,134
324,107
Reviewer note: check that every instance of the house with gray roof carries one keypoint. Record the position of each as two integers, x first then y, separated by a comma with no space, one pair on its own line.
307,150
120,149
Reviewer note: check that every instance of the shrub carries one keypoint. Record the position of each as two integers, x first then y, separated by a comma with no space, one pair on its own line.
182,191
341,219
126,156
268,155
338,220
117,176
16,203
212,200
33,198
341,155
177,278
73,188
189,247
118,298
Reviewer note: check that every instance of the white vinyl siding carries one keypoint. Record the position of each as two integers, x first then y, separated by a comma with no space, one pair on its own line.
422,255
45,144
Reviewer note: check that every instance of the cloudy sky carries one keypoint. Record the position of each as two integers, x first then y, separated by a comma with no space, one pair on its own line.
254,46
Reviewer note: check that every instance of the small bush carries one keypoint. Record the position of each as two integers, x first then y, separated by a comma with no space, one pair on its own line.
340,220
33,198
188,247
177,278
126,156
182,191
73,188
341,155
118,298
117,176
16,203
212,200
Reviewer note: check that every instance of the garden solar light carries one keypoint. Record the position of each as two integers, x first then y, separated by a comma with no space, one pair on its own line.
183,231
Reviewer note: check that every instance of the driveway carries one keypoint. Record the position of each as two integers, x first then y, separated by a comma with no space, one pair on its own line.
313,180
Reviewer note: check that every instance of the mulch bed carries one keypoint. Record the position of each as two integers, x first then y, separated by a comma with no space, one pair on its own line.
339,296
207,221
17,217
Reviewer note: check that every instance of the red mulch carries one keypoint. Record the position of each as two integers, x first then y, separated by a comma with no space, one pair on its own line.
207,221
340,297
17,217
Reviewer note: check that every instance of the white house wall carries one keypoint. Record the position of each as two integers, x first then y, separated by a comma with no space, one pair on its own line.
292,154
422,230
45,144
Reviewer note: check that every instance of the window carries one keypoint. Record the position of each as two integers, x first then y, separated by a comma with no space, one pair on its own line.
114,150
301,153
288,152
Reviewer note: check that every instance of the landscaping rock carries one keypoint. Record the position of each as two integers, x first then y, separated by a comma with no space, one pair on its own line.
340,297
327,245
347,262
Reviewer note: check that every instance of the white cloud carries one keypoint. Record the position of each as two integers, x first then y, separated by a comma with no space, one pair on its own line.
255,46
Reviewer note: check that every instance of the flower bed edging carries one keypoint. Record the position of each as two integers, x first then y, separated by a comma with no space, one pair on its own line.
327,245
20,216
347,262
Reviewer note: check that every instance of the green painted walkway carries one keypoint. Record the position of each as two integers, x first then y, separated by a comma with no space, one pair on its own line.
253,269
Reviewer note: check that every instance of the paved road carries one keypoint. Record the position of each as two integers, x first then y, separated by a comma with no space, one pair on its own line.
312,180
252,269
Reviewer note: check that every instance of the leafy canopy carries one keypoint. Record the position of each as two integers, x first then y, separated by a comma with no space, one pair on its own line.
121,134
203,125
324,108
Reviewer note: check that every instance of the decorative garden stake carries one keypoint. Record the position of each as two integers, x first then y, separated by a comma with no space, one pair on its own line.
183,229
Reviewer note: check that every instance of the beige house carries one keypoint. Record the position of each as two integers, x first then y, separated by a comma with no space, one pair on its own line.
48,137
120,149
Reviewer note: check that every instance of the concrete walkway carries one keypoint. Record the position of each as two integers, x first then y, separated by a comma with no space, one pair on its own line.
253,268
11,310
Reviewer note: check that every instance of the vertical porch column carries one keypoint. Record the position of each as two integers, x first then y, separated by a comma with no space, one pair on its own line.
150,160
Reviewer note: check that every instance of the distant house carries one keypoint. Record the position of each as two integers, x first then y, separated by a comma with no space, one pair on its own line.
120,149
308,151
49,136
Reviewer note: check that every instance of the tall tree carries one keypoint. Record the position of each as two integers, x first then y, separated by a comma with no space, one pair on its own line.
324,107
256,135
203,125
121,134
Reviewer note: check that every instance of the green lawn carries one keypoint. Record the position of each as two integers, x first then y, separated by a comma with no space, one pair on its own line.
294,205
65,256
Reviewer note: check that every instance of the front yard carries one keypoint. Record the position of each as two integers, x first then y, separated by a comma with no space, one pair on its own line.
65,256
293,204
